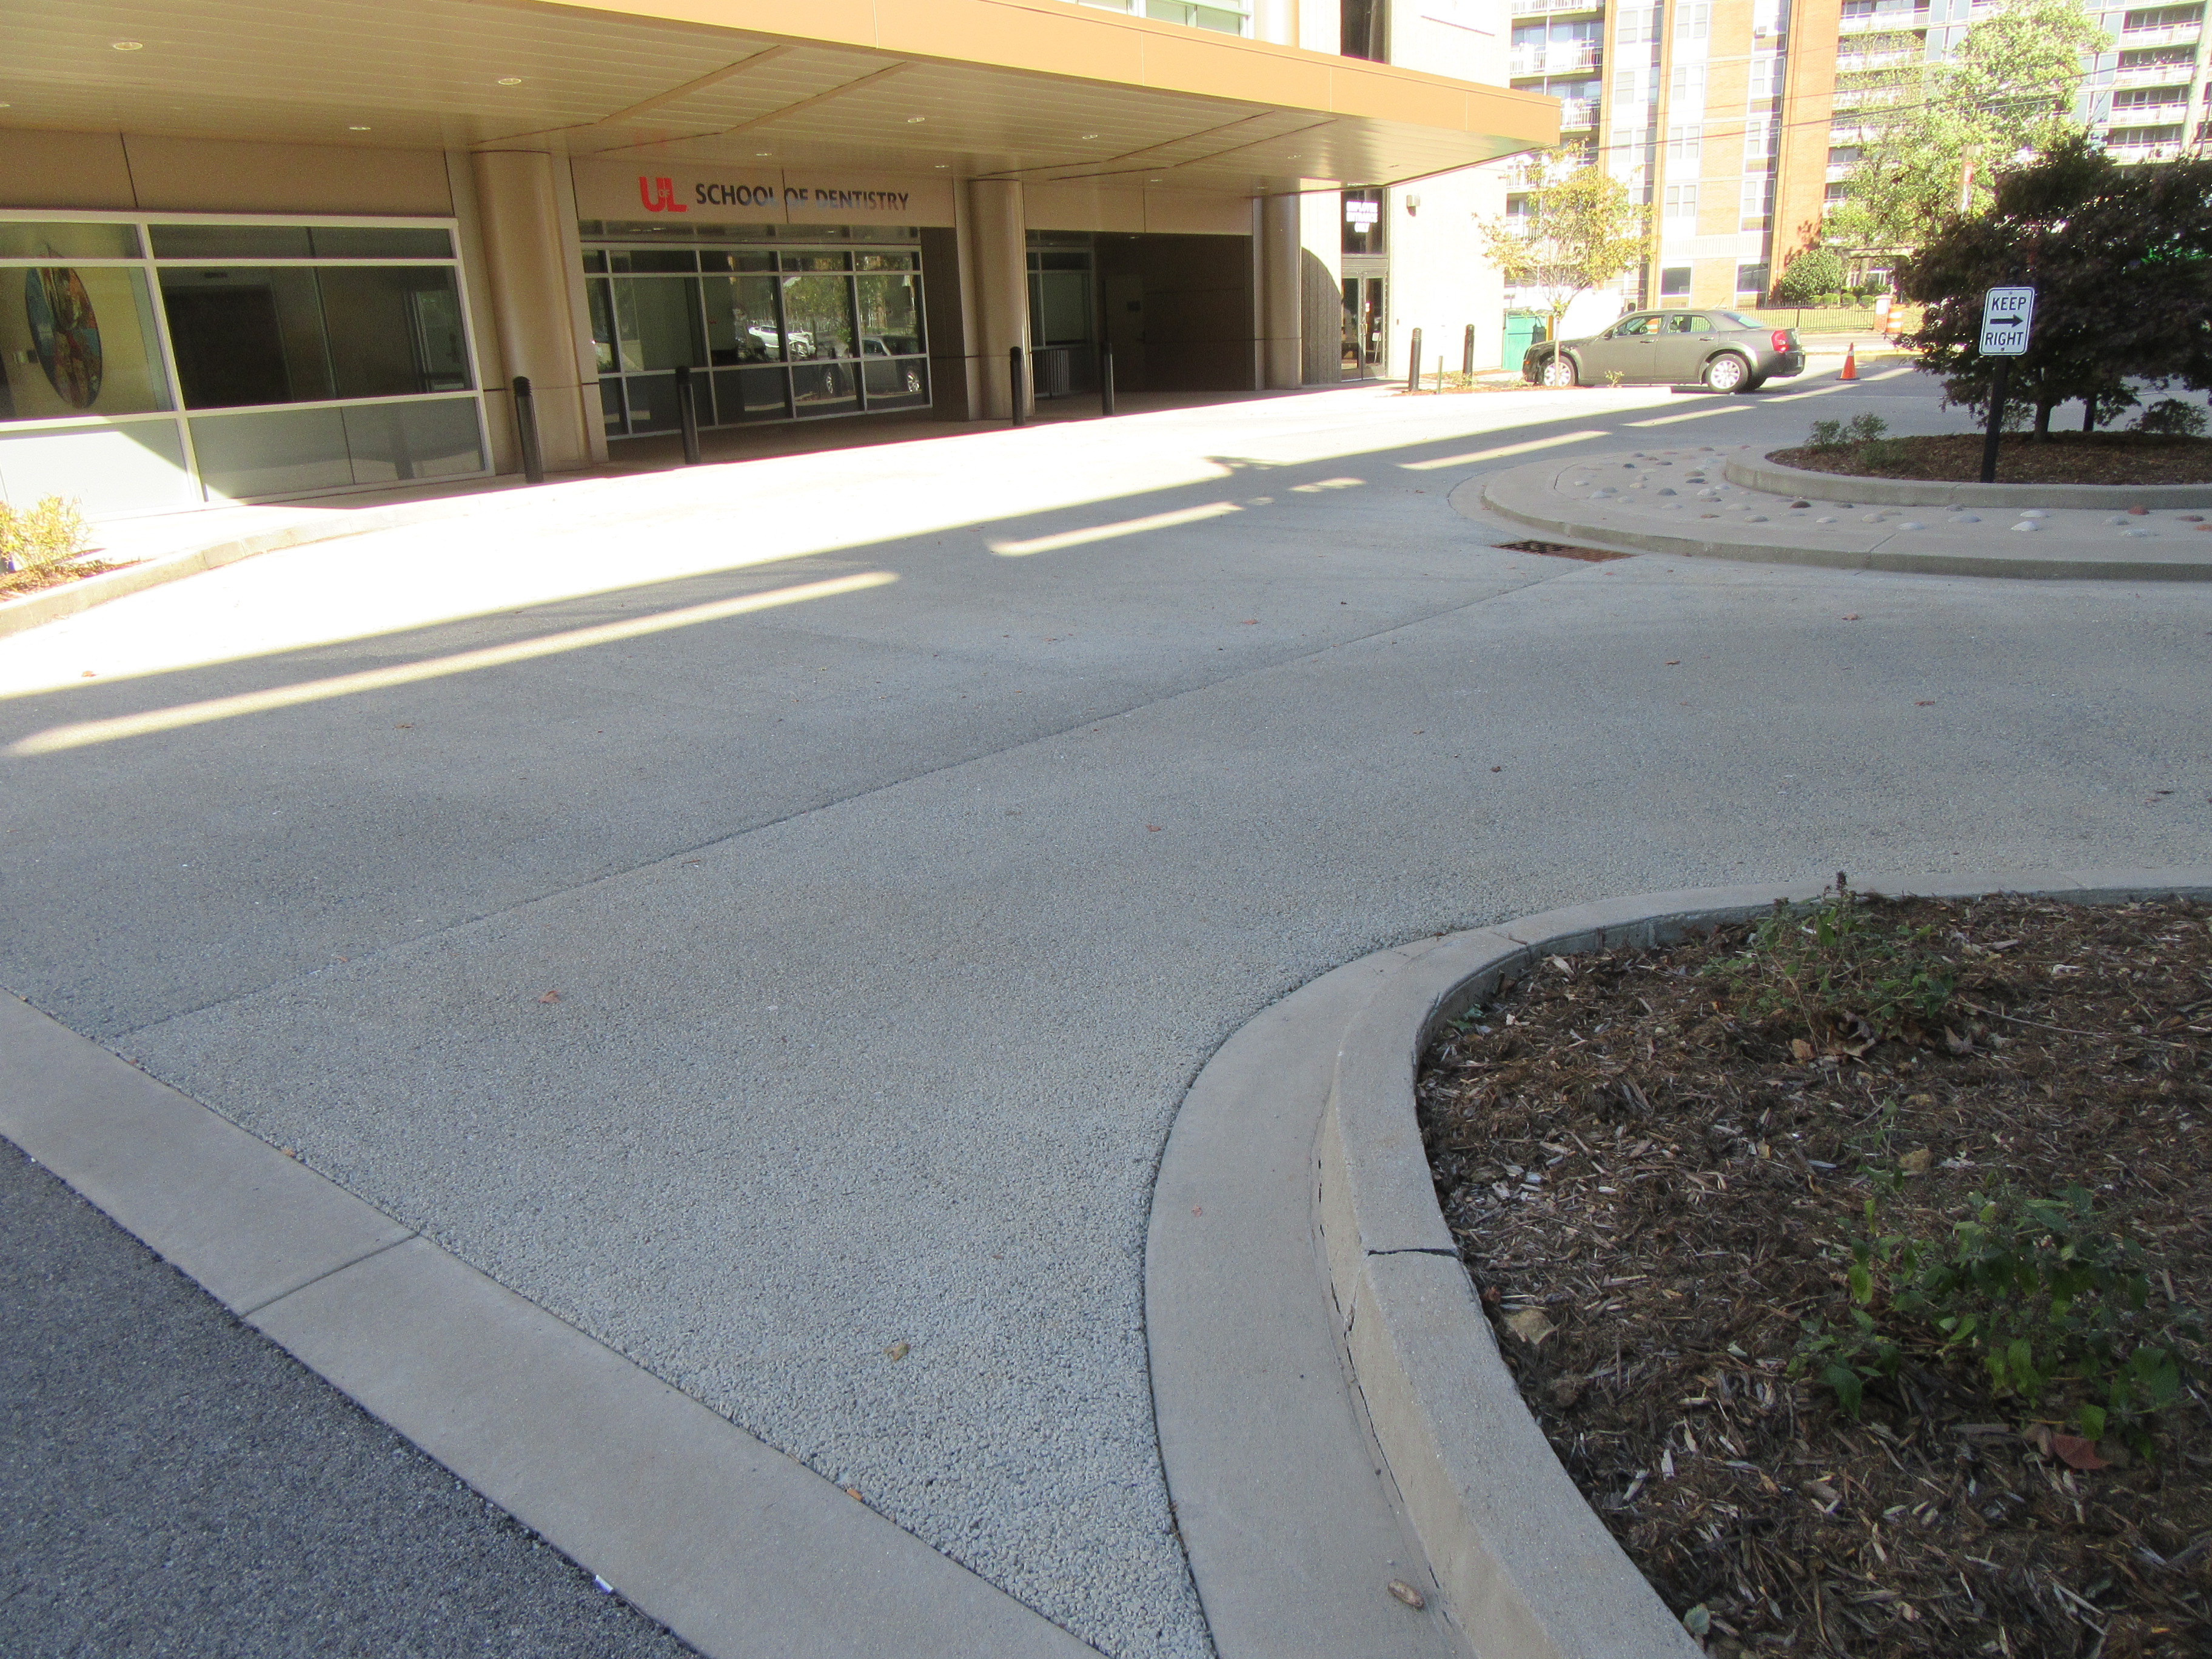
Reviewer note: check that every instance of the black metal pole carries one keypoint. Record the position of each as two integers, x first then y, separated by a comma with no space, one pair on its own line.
1105,380
1014,379
526,430
1413,369
686,414
1467,354
1997,421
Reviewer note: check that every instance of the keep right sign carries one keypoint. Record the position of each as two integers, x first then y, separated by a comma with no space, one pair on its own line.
2007,313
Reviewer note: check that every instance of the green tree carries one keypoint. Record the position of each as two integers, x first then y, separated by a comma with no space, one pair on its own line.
1812,276
1933,132
2121,261
1580,231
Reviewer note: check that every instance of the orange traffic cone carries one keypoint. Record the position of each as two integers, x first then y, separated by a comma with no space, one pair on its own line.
1851,363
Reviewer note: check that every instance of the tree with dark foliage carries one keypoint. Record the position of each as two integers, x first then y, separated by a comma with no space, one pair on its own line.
2121,261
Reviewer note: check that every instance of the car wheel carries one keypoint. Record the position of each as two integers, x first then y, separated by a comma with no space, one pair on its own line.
1559,371
1728,373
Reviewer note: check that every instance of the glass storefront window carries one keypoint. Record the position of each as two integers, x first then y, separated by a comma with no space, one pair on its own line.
785,333
657,323
36,238
291,334
240,323
78,340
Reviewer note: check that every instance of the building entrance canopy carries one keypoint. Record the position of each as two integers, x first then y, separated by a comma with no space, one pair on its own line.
1044,91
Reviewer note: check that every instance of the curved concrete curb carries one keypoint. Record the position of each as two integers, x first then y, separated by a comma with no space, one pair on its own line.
1528,496
739,1550
52,603
1764,474
1526,1567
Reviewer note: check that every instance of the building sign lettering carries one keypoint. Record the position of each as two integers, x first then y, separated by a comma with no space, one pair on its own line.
607,189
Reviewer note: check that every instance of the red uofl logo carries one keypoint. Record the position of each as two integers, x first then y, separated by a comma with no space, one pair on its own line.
658,195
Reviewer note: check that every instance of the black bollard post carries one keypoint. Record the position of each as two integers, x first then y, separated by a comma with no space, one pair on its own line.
1106,379
686,414
1467,354
1014,379
526,430
1413,368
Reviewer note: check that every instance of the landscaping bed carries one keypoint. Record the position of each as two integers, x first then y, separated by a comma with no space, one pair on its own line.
1658,1165
13,584
2073,457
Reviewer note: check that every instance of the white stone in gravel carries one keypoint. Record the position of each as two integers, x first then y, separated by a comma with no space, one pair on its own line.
2034,513
2027,524
1826,517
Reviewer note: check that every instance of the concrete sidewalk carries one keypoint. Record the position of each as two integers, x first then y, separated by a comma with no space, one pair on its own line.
769,916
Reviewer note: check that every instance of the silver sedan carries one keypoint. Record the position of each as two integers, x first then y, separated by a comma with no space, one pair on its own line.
1723,349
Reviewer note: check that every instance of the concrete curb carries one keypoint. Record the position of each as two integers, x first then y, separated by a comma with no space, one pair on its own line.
1496,494
729,1543
1525,1566
53,604
1763,474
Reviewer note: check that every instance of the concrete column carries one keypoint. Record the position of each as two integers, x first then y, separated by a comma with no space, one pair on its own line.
1280,247
1320,218
996,276
527,275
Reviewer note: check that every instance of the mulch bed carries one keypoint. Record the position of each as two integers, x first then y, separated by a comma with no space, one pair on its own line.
2086,458
15,584
1656,1167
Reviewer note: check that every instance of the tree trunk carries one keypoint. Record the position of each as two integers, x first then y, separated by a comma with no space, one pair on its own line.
2043,419
2088,414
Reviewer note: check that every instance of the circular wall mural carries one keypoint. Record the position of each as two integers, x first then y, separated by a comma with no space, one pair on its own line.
67,329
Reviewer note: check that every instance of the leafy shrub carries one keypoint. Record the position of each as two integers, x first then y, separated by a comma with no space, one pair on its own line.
34,538
1863,430
1841,977
1813,274
2037,1293
2172,417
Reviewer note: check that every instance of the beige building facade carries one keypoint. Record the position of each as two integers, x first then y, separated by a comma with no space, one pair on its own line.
247,254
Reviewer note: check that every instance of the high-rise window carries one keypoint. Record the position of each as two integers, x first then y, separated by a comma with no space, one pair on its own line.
1758,202
1683,141
1364,29
1223,16
1680,208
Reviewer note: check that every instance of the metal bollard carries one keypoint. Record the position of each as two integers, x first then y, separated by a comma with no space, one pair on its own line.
1105,380
1014,374
686,414
526,430
1413,367
1467,354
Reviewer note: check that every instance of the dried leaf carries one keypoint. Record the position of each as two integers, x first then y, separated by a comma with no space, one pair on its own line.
2075,1452
1405,1593
1917,1162
551,996
1530,1325
898,1350
1800,1048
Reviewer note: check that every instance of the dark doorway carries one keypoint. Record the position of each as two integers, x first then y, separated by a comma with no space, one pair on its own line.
1178,312
229,346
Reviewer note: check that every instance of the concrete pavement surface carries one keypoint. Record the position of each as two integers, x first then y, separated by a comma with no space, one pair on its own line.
172,1483
768,914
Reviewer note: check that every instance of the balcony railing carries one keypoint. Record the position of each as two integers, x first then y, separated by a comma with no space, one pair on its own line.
2153,75
2150,115
2172,34
1882,22
1577,114
1571,59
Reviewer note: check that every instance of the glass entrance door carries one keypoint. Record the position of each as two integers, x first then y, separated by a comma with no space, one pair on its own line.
1365,326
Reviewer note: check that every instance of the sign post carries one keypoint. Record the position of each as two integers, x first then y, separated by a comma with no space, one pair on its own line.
2008,313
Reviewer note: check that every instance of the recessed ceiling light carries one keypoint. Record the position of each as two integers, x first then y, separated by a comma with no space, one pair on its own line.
510,80
941,166
1089,135
128,46
1151,181
763,152
913,120
356,129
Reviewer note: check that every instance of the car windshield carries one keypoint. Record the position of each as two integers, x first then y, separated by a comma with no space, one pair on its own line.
1743,321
